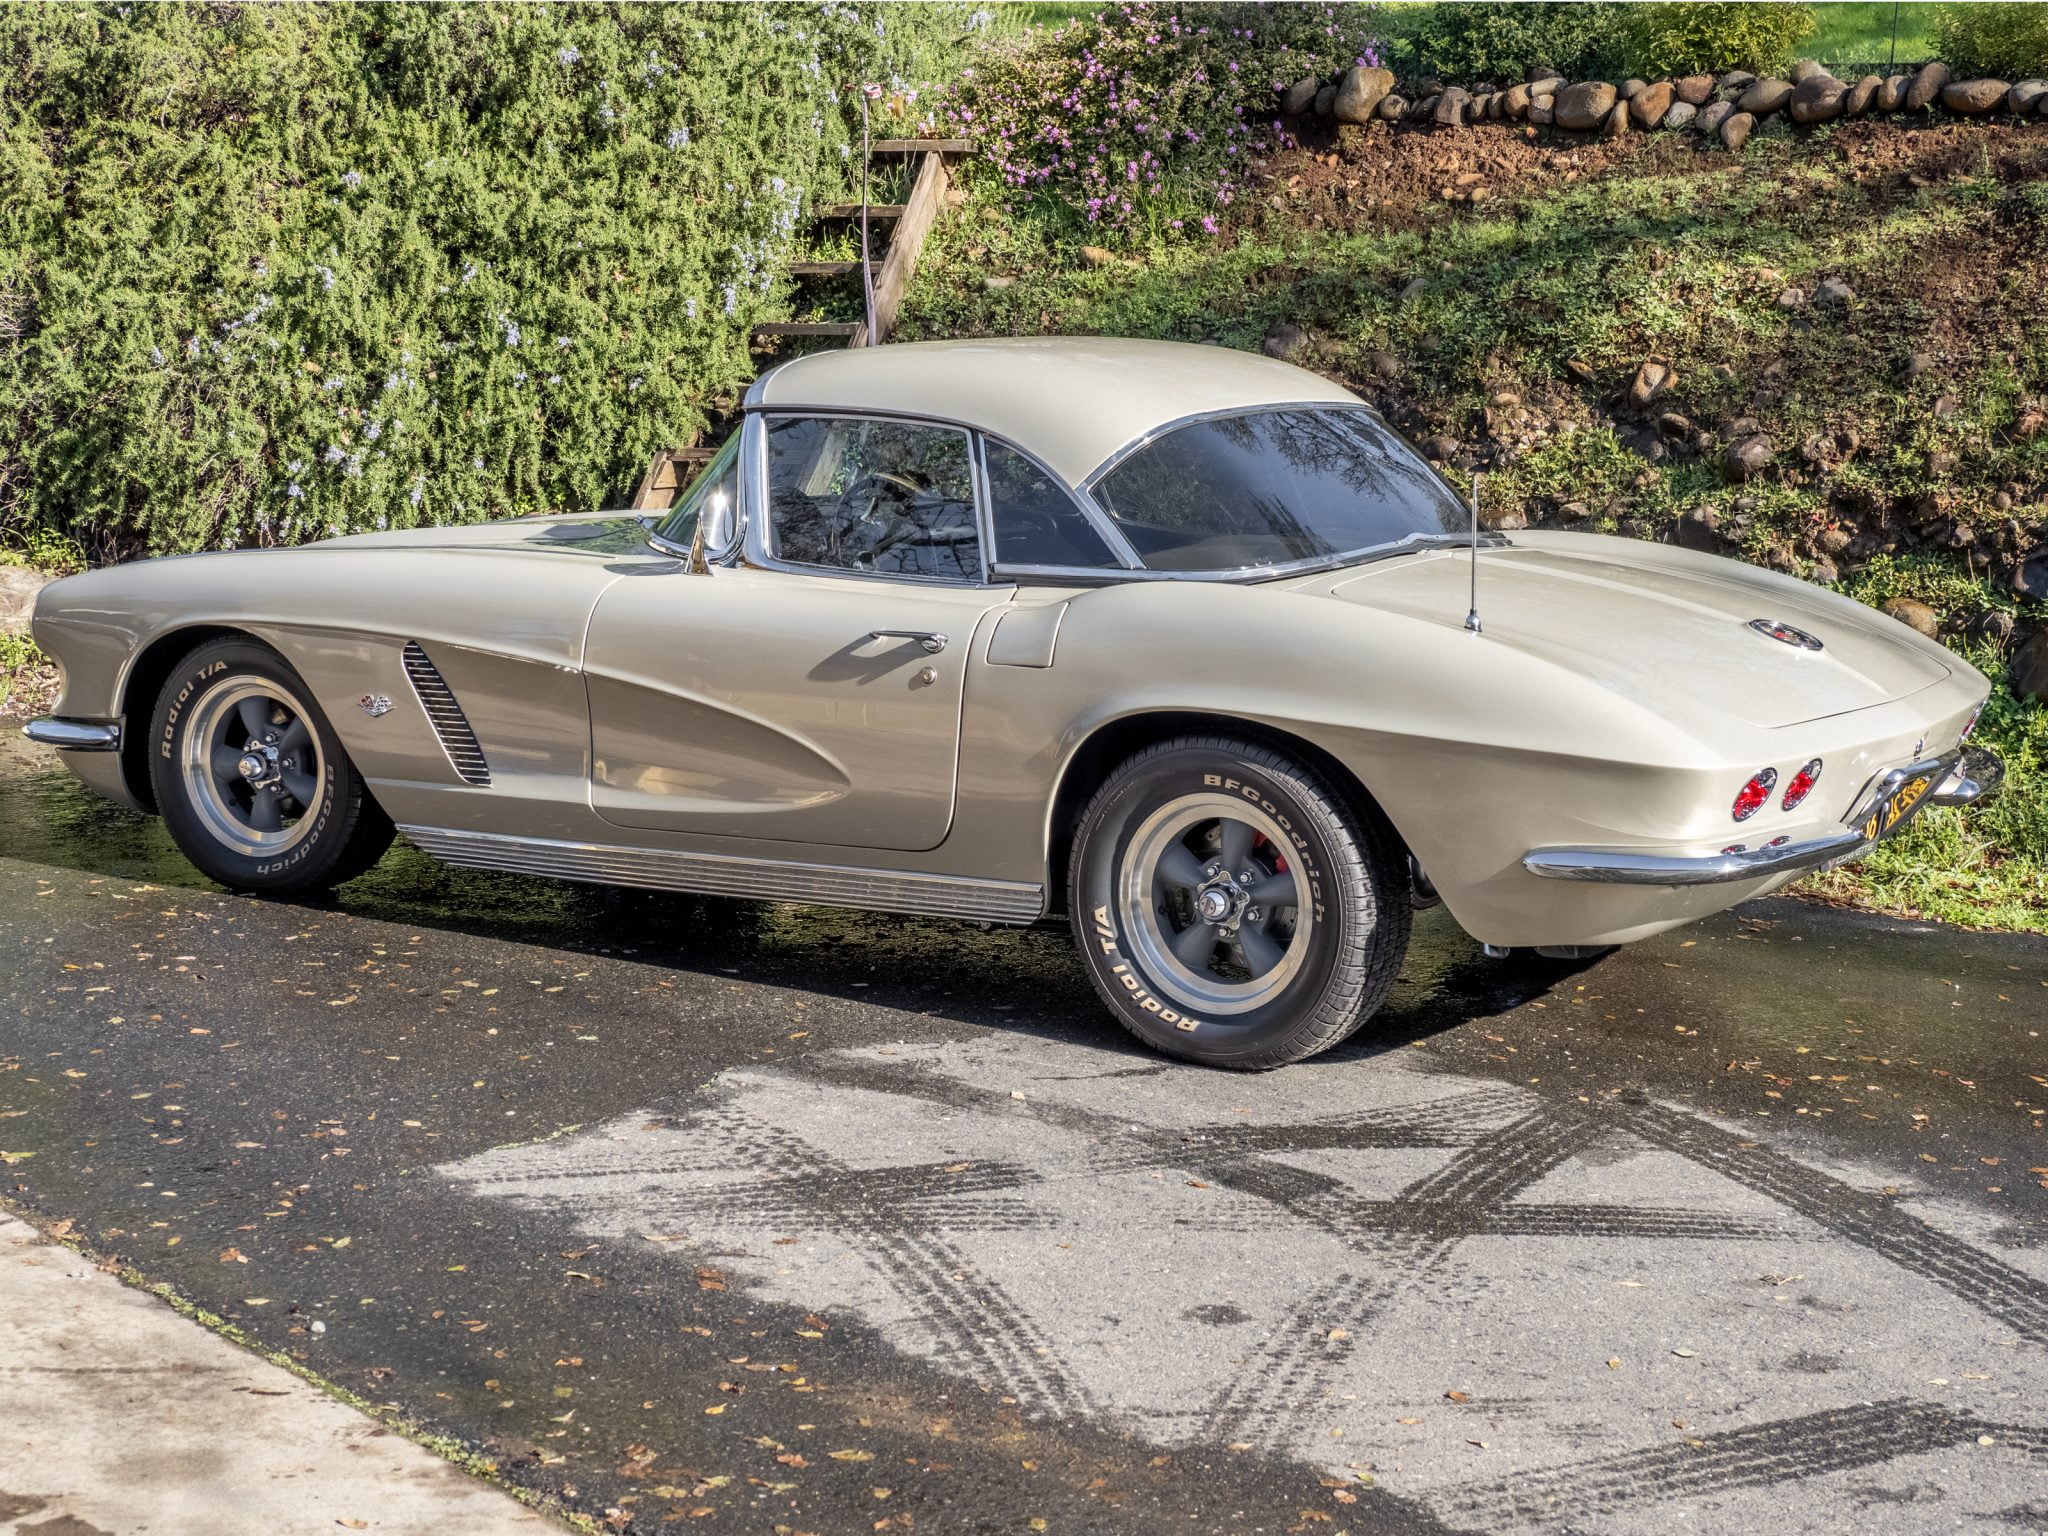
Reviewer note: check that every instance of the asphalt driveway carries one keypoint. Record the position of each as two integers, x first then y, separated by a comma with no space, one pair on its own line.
786,1221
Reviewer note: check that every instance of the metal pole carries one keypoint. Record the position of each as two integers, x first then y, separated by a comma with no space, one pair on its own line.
1472,613
867,265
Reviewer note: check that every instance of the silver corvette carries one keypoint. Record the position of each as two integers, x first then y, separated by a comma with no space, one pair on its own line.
1182,643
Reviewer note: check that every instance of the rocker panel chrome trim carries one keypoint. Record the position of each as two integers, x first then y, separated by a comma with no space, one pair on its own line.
717,874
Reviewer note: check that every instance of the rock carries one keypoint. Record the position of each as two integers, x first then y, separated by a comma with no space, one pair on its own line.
1736,81
1805,70
1617,122
1651,380
1415,289
1285,341
19,585
1856,100
2030,576
1097,256
1892,94
1515,102
1648,106
1832,293
1300,96
1735,129
1440,448
1700,529
1825,574
992,281
1681,113
1713,115
1673,425
1747,456
1993,627
1792,298
1542,110
1386,365
2027,96
1546,83
1926,86
1973,98
1450,107
1360,92
1585,105
1326,100
1391,108
1914,615
1506,520
1694,90
1764,97
1629,89
2028,674
1918,363
1817,99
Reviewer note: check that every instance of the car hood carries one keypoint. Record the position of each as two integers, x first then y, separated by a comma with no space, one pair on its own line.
1664,627
603,536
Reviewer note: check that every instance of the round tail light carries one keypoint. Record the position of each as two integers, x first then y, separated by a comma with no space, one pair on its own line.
1755,793
1802,784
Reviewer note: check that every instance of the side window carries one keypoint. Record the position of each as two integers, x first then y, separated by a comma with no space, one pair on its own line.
1036,521
884,498
720,478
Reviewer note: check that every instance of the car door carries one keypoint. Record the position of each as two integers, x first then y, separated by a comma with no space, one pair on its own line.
810,690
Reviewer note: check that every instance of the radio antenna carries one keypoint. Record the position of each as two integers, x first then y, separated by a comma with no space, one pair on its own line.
1472,614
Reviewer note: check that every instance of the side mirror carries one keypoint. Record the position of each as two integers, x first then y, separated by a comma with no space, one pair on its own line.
721,526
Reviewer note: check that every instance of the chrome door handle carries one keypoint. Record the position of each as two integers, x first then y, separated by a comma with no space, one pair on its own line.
930,639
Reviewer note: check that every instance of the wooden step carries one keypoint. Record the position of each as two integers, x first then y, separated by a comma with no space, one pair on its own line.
922,146
852,211
846,328
822,268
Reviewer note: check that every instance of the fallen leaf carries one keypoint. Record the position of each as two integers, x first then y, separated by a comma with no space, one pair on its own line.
851,1455
1457,1397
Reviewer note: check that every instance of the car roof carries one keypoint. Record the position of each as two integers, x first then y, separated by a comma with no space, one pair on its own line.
1071,401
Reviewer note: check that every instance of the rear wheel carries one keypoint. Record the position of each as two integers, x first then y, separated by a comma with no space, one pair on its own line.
1234,909
252,781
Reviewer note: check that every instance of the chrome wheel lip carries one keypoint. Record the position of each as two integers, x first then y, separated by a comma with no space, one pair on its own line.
212,722
1148,937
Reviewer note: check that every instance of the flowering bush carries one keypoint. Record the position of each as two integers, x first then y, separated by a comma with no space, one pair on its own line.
269,272
1143,117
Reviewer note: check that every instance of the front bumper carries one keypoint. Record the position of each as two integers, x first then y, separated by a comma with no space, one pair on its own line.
75,735
1960,779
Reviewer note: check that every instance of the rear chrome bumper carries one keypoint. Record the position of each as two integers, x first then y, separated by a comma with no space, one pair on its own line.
75,735
1965,777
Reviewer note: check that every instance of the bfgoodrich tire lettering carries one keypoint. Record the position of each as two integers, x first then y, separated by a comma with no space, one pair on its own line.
251,780
1233,907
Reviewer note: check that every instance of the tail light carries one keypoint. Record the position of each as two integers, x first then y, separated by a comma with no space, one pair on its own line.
1975,715
1802,784
1755,793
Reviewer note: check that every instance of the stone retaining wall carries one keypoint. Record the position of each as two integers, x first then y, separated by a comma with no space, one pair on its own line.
1721,108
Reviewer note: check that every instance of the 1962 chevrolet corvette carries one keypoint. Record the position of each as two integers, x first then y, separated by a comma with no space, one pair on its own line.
1171,638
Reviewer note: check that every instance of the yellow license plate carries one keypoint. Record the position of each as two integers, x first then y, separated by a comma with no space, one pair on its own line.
1895,807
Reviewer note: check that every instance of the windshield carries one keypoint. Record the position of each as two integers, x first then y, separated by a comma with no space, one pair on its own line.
1275,488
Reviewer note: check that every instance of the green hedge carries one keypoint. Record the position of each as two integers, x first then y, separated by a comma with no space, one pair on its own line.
272,272
1995,39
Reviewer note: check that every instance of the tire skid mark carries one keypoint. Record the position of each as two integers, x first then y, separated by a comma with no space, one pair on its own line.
977,1328
1292,1368
1756,1456
1871,1222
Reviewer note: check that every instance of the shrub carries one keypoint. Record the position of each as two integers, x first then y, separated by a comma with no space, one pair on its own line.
1144,115
1995,39
1466,42
1683,37
274,272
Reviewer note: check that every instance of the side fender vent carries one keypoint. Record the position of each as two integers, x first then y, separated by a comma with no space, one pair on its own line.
446,716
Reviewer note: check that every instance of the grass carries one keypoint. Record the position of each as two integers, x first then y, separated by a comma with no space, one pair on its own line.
1872,32
1676,255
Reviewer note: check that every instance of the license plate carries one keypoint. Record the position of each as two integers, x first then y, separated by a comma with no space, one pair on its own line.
1896,807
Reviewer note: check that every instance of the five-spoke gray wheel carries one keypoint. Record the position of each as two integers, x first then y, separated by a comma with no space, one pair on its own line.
1235,906
255,787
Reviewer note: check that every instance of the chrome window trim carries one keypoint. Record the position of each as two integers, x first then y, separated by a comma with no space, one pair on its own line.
1092,514
731,447
754,493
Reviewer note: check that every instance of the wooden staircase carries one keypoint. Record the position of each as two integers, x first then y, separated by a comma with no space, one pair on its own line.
909,222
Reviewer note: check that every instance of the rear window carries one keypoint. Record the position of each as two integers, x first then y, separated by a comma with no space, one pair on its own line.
1275,488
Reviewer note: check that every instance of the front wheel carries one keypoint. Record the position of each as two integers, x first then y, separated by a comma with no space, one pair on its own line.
1234,909
251,780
